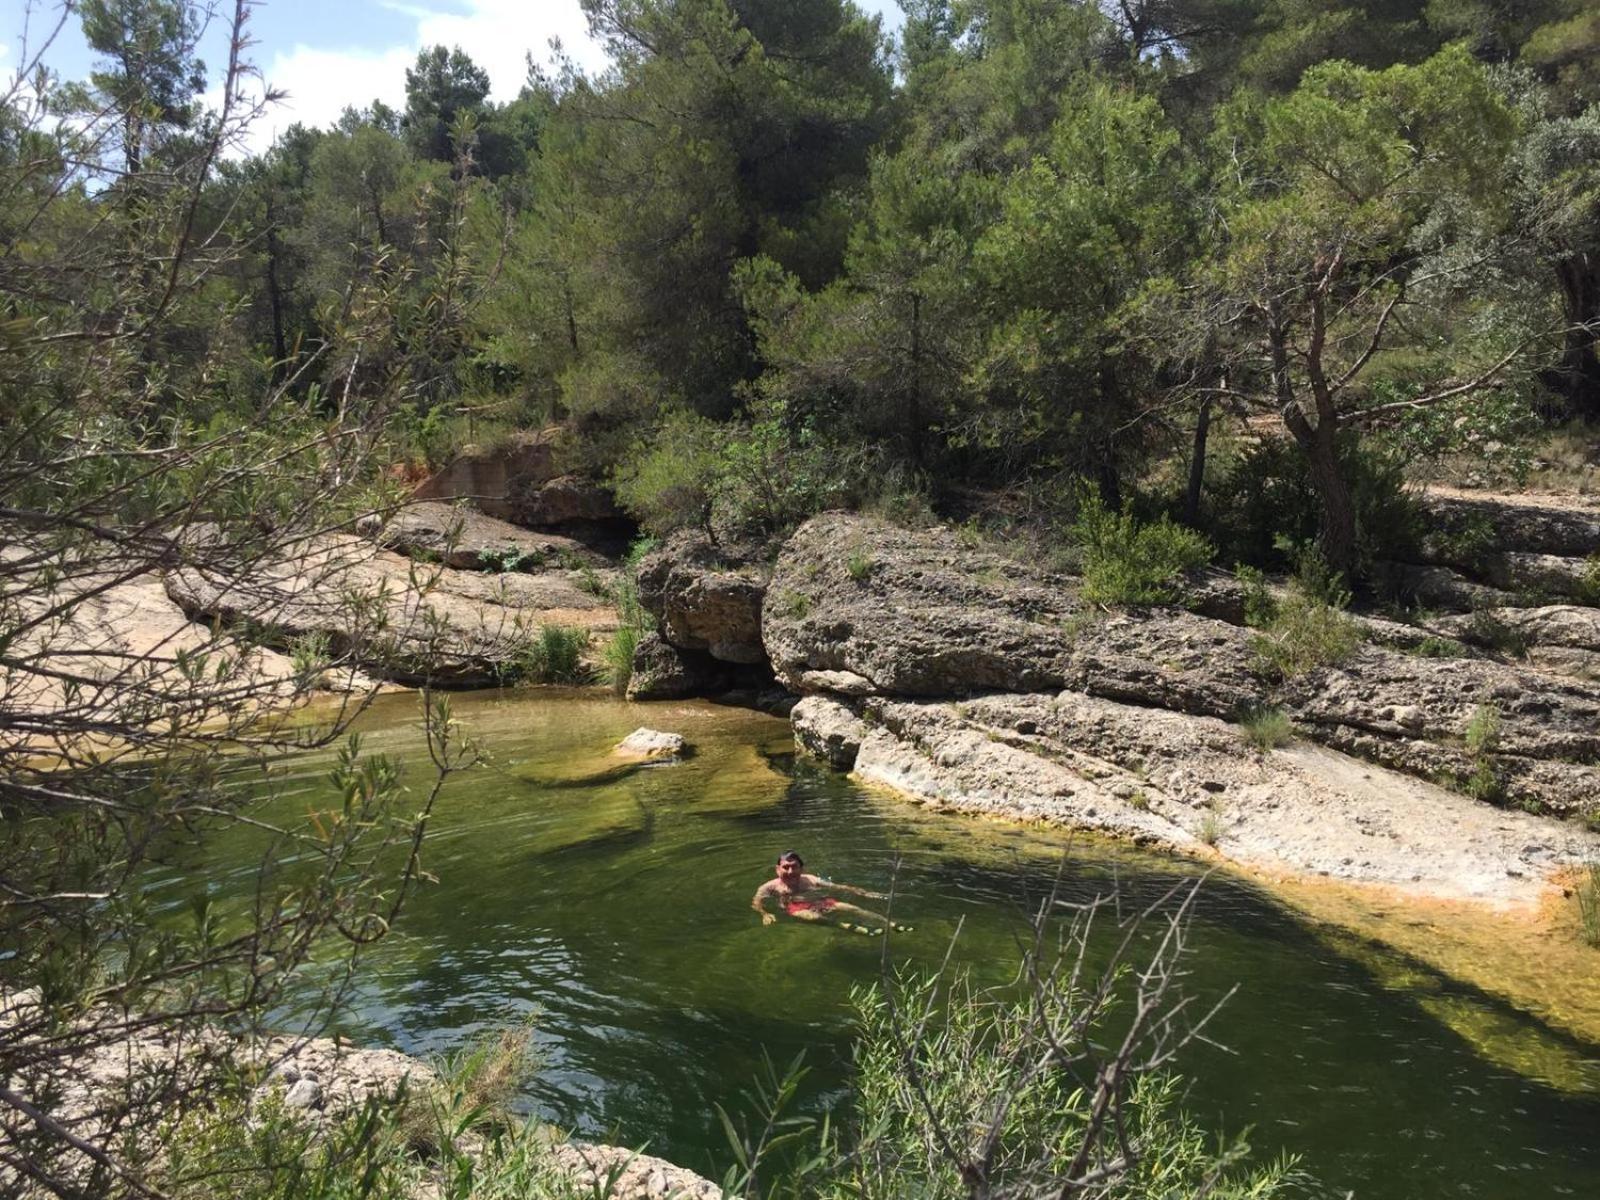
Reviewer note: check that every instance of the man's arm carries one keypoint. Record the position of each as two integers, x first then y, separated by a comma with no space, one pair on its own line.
759,903
850,889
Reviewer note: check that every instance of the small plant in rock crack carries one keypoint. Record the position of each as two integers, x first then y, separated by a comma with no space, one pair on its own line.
1210,830
1267,729
1588,894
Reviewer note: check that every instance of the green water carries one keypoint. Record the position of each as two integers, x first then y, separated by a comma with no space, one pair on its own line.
615,904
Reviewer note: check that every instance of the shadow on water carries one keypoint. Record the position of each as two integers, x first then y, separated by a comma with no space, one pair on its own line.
615,904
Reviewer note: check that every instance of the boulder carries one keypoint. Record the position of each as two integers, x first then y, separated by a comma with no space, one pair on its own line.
1413,714
663,672
567,500
829,730
706,597
651,743
911,612
494,477
466,539
931,616
1569,527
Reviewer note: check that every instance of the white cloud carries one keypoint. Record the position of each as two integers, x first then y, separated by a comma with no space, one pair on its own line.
321,82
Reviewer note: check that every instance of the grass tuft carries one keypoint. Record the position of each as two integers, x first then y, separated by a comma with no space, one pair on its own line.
1267,729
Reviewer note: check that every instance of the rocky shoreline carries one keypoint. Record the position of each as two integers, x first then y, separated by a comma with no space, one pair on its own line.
316,1082
968,680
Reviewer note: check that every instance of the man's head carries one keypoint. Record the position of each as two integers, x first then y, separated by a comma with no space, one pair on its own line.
790,865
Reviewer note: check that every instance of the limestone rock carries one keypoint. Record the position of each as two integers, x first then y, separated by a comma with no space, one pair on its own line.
401,623
663,672
304,1092
567,500
495,478
705,597
828,730
651,743
934,617
466,539
1569,529
1413,714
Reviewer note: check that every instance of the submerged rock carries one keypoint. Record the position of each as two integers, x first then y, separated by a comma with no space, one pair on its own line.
651,743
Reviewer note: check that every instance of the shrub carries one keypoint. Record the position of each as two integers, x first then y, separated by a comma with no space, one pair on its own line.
1039,1090
667,479
1439,647
1482,734
1307,633
859,565
553,655
1265,506
618,656
1260,605
1210,830
1487,628
1267,729
1125,561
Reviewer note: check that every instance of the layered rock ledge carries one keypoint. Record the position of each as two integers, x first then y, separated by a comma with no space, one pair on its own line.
971,681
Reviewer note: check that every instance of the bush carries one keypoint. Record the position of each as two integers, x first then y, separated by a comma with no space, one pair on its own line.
1036,1091
667,480
553,655
618,656
1265,506
1306,633
1125,561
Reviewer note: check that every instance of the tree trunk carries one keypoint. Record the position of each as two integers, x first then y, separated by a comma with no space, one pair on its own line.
1197,465
1336,534
1577,377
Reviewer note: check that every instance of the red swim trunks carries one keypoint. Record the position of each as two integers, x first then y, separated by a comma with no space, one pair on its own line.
795,907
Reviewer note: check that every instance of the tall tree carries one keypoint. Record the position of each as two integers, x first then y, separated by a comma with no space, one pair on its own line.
443,87
1355,214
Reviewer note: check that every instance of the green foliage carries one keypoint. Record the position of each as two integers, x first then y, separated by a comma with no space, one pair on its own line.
1482,734
1265,506
1267,729
1260,605
1127,561
552,654
509,559
1588,897
668,480
859,565
1487,628
1589,583
1210,829
919,1076
1307,633
618,657
1439,647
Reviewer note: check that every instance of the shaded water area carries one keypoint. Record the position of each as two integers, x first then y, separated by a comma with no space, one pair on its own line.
615,904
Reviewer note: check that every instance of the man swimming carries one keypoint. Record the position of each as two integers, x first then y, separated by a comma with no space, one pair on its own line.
808,898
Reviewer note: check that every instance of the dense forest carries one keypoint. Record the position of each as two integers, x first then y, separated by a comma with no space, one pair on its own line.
772,261
1211,280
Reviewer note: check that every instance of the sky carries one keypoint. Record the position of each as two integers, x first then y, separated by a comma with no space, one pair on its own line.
327,54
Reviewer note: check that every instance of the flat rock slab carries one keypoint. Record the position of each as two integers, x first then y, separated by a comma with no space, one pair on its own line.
401,621
462,537
1183,781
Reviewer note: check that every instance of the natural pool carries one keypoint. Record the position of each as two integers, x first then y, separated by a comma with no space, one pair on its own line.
616,905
